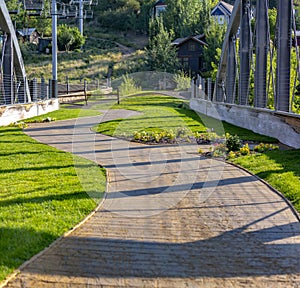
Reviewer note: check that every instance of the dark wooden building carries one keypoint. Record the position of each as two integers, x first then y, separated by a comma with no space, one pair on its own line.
190,53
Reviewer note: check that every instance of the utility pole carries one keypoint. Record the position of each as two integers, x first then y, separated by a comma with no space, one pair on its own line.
81,16
54,49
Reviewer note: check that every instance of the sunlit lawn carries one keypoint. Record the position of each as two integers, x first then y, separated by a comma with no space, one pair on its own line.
41,195
164,113
65,113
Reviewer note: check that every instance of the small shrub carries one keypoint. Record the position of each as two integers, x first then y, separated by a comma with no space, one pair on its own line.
48,119
207,138
231,155
233,142
21,125
263,147
200,151
245,150
220,150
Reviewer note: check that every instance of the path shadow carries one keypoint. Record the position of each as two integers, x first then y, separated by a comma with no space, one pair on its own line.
235,253
181,187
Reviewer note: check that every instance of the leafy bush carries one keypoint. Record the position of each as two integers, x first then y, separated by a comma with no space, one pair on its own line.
179,135
220,150
296,104
231,155
69,38
233,142
245,150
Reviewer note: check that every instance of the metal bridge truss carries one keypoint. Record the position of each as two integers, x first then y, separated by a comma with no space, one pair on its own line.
13,82
14,87
248,54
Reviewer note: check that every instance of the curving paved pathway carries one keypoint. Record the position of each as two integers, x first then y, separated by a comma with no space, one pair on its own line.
170,219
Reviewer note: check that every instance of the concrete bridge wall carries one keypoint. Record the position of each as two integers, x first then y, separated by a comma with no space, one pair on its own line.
283,126
13,113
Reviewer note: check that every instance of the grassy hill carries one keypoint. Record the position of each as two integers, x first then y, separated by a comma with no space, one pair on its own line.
102,49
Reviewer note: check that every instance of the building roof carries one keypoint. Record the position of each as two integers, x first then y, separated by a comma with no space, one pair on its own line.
197,38
228,6
224,7
26,31
160,3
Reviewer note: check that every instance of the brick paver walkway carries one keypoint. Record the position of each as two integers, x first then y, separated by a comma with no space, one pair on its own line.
170,219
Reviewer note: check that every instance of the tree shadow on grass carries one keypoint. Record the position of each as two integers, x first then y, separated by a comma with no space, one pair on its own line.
46,198
18,245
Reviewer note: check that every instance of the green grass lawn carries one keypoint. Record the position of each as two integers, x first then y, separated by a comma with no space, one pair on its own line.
41,195
279,168
165,113
65,113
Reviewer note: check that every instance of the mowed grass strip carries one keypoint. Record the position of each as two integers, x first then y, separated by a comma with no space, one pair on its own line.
41,196
279,168
65,112
160,112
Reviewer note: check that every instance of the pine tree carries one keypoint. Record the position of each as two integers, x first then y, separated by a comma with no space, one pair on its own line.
162,54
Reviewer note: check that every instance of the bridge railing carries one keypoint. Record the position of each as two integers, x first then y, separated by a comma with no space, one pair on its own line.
12,90
252,64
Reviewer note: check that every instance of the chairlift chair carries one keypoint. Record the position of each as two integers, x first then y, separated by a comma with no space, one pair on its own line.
72,11
15,11
85,2
88,14
33,7
61,11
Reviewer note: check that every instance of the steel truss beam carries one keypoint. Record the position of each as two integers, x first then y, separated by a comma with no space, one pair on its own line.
241,17
262,46
245,53
284,16
12,60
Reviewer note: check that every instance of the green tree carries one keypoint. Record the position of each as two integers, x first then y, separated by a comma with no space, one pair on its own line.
118,14
162,54
187,17
214,38
144,15
12,4
69,38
